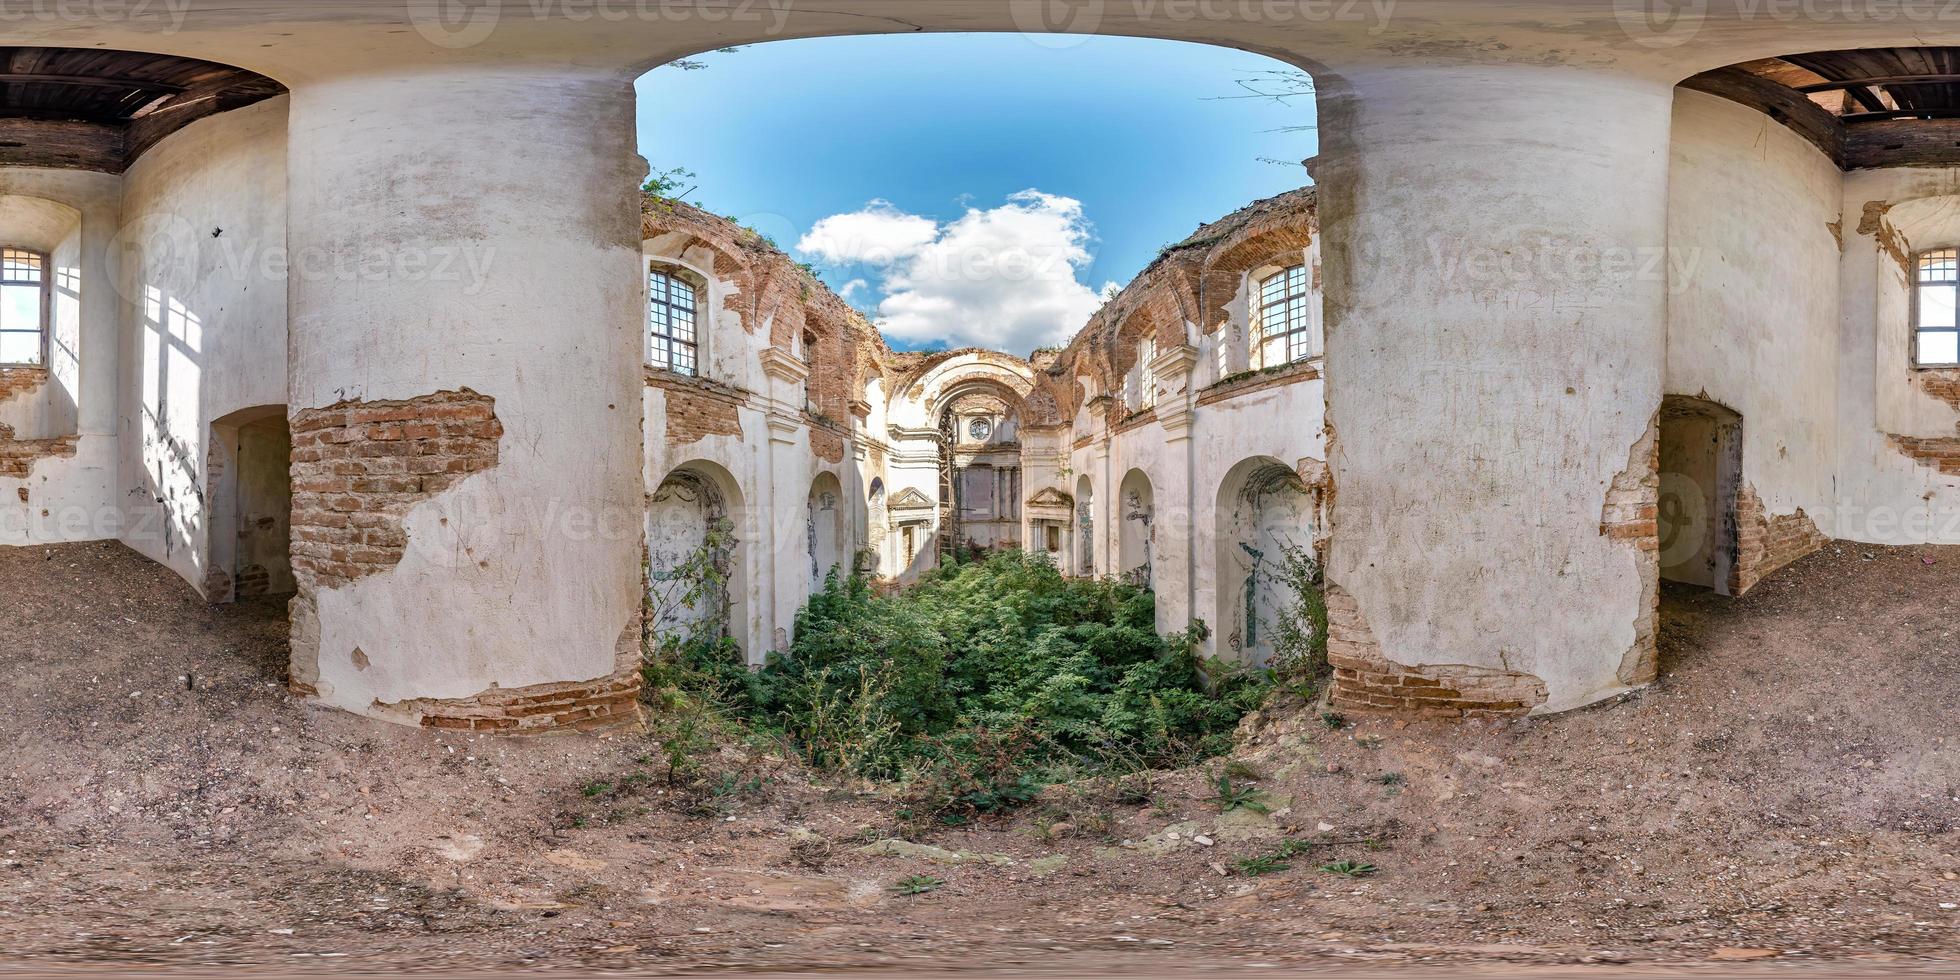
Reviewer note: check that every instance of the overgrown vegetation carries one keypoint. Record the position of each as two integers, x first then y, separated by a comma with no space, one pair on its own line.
989,680
1300,632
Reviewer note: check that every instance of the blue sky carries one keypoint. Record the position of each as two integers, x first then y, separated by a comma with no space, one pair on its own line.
979,189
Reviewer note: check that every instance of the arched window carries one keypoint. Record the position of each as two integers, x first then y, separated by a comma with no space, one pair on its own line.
1284,331
672,312
23,308
1936,308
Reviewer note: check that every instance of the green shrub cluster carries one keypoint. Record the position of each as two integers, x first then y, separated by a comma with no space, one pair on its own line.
982,682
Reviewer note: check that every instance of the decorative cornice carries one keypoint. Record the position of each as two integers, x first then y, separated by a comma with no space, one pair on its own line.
782,365
1174,360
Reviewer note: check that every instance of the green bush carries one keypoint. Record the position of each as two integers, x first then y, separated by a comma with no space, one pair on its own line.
888,686
987,680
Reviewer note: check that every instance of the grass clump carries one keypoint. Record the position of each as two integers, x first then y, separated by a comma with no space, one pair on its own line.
917,885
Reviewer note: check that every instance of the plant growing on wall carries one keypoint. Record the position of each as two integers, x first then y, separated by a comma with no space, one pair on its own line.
1300,631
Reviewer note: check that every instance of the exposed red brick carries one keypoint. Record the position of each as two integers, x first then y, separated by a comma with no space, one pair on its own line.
1765,544
18,456
21,380
1939,452
1631,516
608,702
826,443
1941,383
1365,681
360,467
698,408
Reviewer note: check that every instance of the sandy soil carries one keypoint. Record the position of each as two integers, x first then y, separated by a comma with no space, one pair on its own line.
1783,801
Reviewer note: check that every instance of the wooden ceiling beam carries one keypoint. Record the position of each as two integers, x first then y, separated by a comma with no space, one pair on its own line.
91,81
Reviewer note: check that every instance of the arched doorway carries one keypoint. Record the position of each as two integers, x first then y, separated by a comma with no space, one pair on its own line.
1264,515
1136,514
250,476
1701,475
980,469
825,534
1085,527
696,581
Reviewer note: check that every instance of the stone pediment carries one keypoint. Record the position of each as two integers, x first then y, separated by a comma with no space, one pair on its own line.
1051,497
911,499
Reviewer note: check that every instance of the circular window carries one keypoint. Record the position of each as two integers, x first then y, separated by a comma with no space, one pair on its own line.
980,429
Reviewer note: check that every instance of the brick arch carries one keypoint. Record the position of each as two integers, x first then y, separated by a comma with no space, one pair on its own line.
1275,242
1140,322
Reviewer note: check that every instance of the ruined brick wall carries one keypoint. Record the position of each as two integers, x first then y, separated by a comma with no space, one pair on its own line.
1941,383
1765,544
826,443
1194,280
1366,682
18,456
1941,453
359,467
21,380
697,408
1278,377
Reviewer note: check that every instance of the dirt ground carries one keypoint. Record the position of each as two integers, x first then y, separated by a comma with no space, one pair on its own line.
1784,801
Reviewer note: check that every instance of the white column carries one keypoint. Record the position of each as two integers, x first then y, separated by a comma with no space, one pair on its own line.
1496,302
477,229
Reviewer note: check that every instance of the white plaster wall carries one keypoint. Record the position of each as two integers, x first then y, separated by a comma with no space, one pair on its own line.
74,215
495,251
746,461
1887,497
202,277
1486,381
1753,293
1284,423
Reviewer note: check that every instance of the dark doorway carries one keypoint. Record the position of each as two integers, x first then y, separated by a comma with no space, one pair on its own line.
252,505
1700,472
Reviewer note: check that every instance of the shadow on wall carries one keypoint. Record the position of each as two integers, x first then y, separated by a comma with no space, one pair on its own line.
169,501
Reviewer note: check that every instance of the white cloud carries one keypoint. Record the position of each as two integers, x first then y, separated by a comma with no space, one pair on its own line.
878,235
1002,278
851,288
